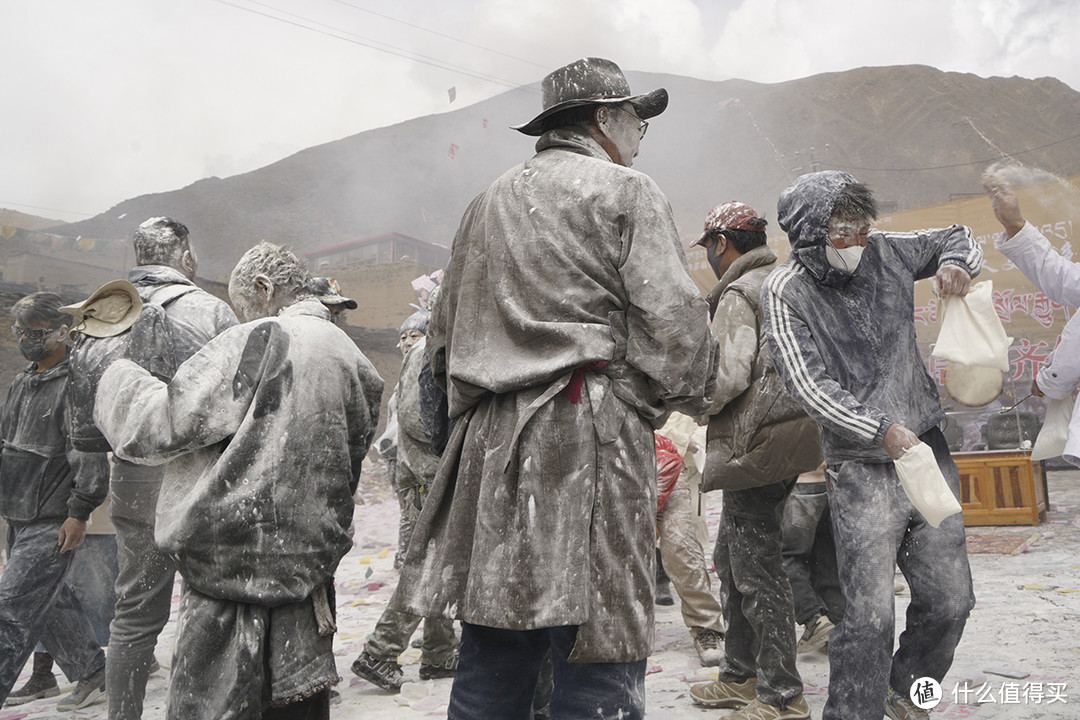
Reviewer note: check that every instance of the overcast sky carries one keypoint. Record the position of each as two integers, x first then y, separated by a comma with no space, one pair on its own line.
104,100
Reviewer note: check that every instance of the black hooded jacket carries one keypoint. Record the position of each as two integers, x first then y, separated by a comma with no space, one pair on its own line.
844,343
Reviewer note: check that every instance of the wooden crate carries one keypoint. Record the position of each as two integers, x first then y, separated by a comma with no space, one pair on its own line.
1001,487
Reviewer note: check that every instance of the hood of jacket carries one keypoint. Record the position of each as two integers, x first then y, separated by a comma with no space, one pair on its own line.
145,275
803,212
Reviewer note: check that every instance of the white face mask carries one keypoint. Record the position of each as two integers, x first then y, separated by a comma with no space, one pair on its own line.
846,259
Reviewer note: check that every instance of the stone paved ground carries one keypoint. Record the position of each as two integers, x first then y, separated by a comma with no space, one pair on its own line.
1026,623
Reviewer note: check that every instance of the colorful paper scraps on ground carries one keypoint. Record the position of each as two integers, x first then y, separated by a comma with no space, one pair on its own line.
1001,543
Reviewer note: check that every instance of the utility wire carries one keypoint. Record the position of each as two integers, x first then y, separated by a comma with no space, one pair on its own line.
50,209
339,34
440,34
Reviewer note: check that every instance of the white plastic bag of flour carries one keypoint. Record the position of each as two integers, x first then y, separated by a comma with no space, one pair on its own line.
1055,430
924,484
971,332
973,343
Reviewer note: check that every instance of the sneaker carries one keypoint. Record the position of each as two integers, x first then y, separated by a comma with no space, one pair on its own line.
383,673
725,693
898,707
335,697
37,687
796,709
815,634
707,644
445,669
86,692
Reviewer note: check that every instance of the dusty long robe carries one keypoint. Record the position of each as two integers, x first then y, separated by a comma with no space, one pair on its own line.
543,510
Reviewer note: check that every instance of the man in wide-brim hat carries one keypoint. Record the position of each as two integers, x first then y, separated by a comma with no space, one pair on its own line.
566,329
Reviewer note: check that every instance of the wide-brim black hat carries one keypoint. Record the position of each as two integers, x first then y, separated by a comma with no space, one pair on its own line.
591,81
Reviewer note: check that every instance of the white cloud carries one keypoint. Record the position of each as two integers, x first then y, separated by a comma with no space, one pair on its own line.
119,98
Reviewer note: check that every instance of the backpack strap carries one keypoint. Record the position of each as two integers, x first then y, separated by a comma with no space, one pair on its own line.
167,295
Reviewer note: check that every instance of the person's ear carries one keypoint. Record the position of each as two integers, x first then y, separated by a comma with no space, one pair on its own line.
62,333
187,262
265,287
601,117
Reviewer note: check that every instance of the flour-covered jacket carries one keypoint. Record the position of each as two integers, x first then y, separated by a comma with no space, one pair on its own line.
1059,279
416,462
542,513
845,343
42,477
195,316
757,434
264,430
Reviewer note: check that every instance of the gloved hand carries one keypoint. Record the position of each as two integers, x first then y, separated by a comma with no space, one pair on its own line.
951,280
898,439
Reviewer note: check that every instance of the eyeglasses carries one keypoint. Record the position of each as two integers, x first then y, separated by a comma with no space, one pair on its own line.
643,125
32,333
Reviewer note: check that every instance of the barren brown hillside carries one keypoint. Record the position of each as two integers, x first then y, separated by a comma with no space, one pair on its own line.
913,133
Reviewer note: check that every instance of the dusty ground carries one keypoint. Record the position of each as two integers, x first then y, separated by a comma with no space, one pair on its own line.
1024,625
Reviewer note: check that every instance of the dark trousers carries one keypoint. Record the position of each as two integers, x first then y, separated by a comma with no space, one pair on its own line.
810,554
755,593
316,707
498,670
876,528
144,588
37,605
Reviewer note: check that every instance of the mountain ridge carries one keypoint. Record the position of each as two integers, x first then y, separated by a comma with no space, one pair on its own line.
915,134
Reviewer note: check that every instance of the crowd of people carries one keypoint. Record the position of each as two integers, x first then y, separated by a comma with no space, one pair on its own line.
565,363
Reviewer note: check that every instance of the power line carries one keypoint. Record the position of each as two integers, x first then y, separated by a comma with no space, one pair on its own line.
956,165
340,34
441,34
50,209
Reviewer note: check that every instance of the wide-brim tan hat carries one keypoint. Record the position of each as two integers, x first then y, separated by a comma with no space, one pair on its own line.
109,311
586,82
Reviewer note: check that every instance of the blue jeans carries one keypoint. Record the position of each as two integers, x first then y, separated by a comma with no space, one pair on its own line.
37,605
876,528
498,669
93,580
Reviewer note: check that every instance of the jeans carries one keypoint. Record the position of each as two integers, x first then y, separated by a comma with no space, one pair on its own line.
498,670
143,589
810,554
37,605
93,580
876,528
755,593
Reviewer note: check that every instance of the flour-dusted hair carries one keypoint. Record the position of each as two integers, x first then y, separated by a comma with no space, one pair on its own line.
160,241
855,202
283,268
41,308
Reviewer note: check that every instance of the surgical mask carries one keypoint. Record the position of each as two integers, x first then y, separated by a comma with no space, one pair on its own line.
846,259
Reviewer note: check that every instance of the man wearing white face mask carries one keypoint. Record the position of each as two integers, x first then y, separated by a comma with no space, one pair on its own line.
840,324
